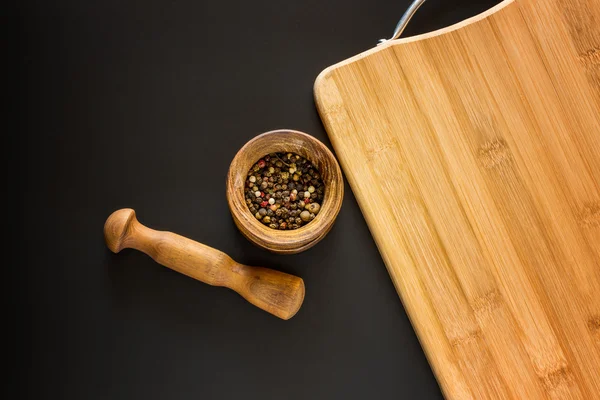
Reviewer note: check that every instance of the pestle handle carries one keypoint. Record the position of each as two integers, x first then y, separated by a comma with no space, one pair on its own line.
276,292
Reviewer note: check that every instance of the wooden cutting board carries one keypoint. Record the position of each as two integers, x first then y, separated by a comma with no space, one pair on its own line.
474,153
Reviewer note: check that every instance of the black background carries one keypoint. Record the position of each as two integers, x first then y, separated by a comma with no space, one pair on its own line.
143,104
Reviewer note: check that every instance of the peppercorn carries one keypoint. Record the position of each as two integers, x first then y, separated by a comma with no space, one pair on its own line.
305,216
313,208
278,193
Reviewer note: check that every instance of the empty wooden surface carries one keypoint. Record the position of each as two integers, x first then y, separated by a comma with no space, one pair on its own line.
474,153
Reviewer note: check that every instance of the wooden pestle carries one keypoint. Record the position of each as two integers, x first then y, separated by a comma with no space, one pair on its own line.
276,292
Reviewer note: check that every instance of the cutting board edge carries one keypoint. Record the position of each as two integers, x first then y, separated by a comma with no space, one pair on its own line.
398,42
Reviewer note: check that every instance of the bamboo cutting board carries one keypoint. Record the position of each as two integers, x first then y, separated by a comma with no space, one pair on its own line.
474,153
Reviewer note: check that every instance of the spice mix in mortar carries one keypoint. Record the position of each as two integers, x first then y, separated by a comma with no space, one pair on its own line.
284,191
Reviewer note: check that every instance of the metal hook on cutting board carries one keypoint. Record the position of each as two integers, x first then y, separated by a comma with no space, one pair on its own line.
408,14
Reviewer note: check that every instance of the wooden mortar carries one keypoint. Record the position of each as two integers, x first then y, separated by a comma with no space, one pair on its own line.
288,141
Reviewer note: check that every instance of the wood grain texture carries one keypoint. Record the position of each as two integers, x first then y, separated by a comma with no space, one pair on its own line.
474,153
276,292
285,140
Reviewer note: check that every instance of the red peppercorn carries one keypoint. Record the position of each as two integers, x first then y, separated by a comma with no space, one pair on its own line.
261,163
264,204
307,200
262,194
